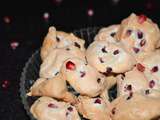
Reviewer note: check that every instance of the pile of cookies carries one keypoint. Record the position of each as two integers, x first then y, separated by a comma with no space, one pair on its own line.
125,55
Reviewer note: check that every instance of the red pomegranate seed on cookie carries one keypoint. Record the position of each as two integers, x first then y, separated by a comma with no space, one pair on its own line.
116,52
142,43
113,111
101,60
140,34
70,65
51,105
140,67
82,74
113,34
108,69
97,101
70,109
129,87
147,92
104,49
151,84
128,32
136,50
154,69
98,80
142,18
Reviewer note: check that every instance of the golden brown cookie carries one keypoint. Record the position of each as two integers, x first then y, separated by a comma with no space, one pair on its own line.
139,35
59,39
46,108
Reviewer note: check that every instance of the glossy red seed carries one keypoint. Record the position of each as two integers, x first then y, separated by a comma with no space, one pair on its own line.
142,19
70,65
51,105
151,84
142,43
97,101
136,50
140,67
70,109
116,52
154,69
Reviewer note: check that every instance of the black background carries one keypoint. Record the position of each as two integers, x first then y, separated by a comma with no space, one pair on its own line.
28,27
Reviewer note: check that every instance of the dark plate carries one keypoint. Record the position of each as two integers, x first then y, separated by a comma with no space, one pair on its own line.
31,70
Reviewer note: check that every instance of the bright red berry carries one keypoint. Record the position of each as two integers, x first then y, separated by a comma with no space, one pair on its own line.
142,18
70,65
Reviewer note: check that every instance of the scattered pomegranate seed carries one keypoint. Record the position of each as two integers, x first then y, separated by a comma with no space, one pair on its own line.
128,32
130,95
154,69
151,84
104,49
70,109
51,105
98,80
140,34
116,52
5,84
77,45
113,34
147,92
113,111
142,18
101,60
142,43
136,50
140,67
129,87
97,101
109,70
82,74
70,65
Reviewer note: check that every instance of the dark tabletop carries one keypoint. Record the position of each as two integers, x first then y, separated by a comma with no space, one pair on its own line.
23,25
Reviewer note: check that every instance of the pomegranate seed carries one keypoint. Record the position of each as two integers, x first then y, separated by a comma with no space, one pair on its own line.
82,74
98,80
113,34
129,87
140,34
113,111
57,39
97,101
77,45
70,109
142,43
70,65
109,70
130,95
104,49
128,32
151,84
136,50
101,60
142,18
140,67
116,52
51,105
154,69
146,92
